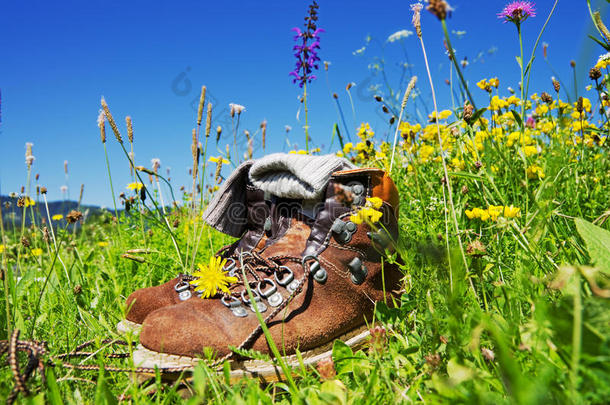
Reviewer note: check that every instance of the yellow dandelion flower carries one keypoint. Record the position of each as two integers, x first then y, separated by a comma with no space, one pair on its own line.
135,186
218,159
1,248
211,278
102,244
57,217
36,252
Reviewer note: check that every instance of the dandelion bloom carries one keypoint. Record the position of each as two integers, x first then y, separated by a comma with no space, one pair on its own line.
212,278
57,217
517,12
219,159
135,186
36,252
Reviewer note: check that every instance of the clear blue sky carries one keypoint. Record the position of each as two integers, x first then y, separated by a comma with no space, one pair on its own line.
149,59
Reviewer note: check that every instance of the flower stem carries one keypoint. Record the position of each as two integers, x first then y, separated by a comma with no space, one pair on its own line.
443,158
306,117
116,212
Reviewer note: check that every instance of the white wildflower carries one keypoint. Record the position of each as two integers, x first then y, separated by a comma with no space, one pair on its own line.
236,108
156,164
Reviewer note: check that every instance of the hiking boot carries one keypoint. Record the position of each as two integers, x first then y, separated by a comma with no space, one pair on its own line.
260,218
249,212
308,294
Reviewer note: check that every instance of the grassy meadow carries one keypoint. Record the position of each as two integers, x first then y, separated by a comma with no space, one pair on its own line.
504,248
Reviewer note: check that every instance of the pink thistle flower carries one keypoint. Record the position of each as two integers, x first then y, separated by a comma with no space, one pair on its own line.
517,12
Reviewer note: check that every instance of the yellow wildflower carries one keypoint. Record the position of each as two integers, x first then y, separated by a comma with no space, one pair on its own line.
603,61
535,172
495,211
542,109
425,151
494,82
218,159
211,278
135,186
512,212
365,132
375,202
347,148
484,85
36,252
57,217
1,248
102,244
530,150
497,103
443,115
369,212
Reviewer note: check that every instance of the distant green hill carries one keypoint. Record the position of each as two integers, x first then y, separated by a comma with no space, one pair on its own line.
12,214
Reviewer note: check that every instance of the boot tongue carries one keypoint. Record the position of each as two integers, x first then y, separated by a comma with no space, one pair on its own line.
292,242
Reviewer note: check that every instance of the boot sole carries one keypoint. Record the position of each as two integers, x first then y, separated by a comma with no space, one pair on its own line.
264,370
126,327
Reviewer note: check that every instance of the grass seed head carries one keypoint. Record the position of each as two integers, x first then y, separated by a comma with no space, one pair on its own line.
129,129
208,121
416,21
111,121
101,123
556,85
201,103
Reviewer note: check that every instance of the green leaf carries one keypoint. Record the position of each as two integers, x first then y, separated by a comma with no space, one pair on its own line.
598,243
518,60
458,373
601,43
478,114
343,357
54,395
386,314
529,66
102,392
466,175
517,117
333,392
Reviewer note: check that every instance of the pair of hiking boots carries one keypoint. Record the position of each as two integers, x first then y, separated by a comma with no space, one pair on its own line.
313,233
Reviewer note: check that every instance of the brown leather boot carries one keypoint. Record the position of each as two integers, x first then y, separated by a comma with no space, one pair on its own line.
254,228
308,294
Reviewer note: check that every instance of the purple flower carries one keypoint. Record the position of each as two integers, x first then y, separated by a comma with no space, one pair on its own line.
517,12
306,48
